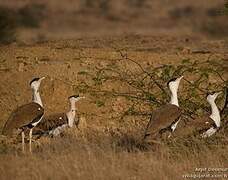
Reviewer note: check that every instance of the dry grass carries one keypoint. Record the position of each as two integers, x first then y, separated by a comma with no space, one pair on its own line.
97,155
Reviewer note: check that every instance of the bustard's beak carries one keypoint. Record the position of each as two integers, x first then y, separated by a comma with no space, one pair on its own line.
180,77
83,97
78,98
42,78
217,93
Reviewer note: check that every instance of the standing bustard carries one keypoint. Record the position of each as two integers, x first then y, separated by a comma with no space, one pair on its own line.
26,116
54,124
167,116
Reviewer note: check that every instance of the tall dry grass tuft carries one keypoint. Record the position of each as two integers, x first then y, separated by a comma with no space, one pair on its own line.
94,154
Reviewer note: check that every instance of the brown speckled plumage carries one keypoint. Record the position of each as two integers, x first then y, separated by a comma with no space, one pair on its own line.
23,117
162,118
51,122
196,126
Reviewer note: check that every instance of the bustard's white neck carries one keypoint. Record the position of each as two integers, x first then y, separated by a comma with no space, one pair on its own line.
71,113
36,97
35,85
173,86
215,114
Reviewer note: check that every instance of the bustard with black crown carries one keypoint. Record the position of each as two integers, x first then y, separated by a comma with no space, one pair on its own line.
27,116
206,125
54,124
167,116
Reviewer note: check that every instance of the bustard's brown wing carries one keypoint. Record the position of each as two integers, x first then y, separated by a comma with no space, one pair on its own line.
23,116
202,124
51,122
162,118
195,126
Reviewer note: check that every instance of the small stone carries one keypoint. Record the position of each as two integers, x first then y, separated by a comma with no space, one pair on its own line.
21,67
186,50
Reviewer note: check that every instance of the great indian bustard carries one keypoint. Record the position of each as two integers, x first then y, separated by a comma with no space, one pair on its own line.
215,115
167,116
206,125
54,124
27,116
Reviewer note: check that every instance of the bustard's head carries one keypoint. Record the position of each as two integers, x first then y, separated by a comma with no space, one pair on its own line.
173,84
35,83
211,97
75,98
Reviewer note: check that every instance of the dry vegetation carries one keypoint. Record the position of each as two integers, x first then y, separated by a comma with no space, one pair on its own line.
92,155
123,78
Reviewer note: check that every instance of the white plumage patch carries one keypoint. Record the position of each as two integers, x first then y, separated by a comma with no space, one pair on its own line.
209,132
174,126
34,124
57,131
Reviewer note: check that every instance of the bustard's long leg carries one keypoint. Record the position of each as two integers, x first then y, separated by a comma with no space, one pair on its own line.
23,141
30,140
